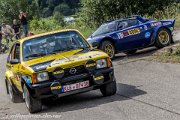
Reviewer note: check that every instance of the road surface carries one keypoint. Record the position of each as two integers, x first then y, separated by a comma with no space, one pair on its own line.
146,91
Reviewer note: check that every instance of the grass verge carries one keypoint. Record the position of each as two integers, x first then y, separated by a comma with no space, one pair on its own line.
167,55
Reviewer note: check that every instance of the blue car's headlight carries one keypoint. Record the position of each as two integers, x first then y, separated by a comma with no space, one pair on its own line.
102,63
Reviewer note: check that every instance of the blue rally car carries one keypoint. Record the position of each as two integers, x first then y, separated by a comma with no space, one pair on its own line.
132,33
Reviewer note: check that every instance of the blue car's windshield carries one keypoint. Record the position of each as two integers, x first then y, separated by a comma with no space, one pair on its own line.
52,44
105,28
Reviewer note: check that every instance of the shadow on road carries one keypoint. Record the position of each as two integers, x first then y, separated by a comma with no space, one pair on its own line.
90,99
140,54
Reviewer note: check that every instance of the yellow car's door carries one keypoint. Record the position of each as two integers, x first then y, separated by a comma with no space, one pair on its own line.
14,66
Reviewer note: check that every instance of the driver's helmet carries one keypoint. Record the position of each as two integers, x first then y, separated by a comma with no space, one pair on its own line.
69,42
123,24
35,48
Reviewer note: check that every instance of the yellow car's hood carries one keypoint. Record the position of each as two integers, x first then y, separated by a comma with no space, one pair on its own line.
65,60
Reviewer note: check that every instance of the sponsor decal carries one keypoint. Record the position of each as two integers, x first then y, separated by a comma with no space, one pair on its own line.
134,31
27,79
96,54
155,24
147,34
167,23
41,66
90,65
58,72
171,28
130,32
56,62
121,35
126,33
55,87
145,27
99,78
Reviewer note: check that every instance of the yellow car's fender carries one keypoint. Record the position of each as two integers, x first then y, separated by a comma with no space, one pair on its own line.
9,76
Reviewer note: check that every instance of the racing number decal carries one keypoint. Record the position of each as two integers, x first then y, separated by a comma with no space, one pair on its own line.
130,32
134,31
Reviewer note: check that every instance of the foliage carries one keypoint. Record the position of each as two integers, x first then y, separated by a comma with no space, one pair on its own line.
98,11
64,7
169,54
10,9
59,18
168,12
43,25
52,23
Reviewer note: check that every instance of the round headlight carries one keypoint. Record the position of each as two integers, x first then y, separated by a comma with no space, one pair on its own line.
101,63
42,76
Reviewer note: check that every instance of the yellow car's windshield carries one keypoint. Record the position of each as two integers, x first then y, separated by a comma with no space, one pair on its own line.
51,44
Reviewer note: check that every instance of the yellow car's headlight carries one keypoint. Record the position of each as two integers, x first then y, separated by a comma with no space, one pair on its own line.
102,63
42,76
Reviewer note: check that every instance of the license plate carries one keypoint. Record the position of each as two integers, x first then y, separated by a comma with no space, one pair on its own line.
76,86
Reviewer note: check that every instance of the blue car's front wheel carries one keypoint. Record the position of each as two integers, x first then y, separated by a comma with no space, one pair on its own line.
109,48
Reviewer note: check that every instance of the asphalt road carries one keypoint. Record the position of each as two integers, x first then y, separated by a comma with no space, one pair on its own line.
146,91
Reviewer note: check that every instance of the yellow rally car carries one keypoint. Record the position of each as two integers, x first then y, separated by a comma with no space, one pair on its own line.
56,64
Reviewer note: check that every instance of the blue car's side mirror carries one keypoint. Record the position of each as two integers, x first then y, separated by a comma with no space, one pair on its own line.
95,44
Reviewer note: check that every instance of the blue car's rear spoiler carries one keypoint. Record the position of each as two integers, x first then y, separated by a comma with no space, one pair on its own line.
140,18
168,22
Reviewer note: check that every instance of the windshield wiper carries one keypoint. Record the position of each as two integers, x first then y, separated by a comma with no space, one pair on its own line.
35,55
83,49
60,50
57,51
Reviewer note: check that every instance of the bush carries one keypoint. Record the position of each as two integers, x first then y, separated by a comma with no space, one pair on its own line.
98,11
167,13
44,25
56,23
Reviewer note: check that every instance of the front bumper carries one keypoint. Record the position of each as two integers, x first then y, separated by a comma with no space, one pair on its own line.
43,90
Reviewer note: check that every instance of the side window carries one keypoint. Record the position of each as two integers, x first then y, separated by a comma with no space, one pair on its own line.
122,24
17,52
132,22
126,23
10,54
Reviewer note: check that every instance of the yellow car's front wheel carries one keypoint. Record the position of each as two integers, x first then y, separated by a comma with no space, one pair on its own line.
32,104
109,48
163,38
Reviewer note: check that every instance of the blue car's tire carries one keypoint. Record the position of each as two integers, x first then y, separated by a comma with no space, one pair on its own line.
163,38
109,48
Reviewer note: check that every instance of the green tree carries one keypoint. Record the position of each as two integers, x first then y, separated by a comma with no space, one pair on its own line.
63,9
59,18
98,11
10,9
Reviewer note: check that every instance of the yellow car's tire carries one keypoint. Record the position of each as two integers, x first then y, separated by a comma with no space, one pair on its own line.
32,104
15,98
163,38
109,89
